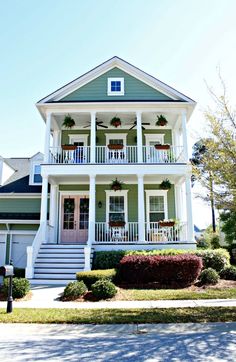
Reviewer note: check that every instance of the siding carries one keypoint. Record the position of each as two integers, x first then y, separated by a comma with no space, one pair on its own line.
96,90
20,205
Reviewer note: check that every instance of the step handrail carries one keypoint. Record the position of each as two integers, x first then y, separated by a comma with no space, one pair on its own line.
32,252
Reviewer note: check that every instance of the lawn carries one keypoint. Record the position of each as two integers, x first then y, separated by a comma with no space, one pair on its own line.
118,316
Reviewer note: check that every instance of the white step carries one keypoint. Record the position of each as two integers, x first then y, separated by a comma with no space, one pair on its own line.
62,246
61,251
59,265
60,260
50,282
57,270
65,276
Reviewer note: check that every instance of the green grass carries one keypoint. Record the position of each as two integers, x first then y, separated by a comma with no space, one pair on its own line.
174,294
117,316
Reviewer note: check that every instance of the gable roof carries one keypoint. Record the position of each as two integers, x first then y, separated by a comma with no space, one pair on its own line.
115,62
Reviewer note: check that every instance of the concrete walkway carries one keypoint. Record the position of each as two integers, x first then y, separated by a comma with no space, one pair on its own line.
206,342
47,297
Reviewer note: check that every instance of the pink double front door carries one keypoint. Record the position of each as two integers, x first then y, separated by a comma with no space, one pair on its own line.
74,219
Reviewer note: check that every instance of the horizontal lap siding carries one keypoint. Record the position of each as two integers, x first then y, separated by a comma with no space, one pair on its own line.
20,205
134,89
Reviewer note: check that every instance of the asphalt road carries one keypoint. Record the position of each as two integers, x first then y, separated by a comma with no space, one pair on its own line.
112,343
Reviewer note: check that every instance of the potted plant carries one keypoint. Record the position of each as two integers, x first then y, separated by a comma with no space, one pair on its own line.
69,147
68,122
116,146
115,122
166,223
161,121
116,185
165,184
117,223
159,146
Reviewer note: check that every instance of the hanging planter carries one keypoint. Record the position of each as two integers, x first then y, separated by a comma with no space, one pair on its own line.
115,122
116,185
161,121
162,147
166,223
69,147
68,122
165,185
117,146
117,223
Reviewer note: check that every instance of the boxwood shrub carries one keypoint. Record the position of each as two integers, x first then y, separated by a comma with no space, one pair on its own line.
93,276
175,271
107,259
75,290
20,287
216,259
104,289
209,276
228,273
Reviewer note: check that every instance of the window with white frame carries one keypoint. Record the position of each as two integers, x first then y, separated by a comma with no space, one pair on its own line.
115,86
156,205
116,205
37,178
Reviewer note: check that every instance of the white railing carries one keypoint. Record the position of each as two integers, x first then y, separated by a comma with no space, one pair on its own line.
175,154
156,233
104,233
76,156
32,252
105,155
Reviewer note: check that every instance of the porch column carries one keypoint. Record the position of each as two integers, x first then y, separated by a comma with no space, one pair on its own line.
44,208
178,201
139,137
92,209
56,135
53,213
190,228
93,138
141,214
184,135
47,137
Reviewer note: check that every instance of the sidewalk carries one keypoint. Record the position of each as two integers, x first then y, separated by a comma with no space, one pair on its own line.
47,297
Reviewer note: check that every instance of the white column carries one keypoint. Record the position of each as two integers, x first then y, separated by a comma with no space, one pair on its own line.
44,208
184,135
47,137
189,211
139,137
92,209
56,135
141,213
53,213
93,138
178,202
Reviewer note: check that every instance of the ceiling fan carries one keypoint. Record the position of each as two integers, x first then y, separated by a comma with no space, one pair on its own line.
134,124
98,124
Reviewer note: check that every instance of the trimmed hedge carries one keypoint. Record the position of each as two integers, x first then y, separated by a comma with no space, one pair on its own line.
176,271
208,276
228,273
93,276
75,290
20,287
216,259
104,289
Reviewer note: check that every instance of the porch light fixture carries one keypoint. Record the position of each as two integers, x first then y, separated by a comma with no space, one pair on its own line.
99,204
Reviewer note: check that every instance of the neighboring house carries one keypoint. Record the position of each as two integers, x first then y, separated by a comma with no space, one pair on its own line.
85,215
198,233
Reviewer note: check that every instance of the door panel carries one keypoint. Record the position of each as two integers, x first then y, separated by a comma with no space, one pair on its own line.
83,219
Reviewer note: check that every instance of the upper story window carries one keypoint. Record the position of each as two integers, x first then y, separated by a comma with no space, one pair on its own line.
37,178
115,87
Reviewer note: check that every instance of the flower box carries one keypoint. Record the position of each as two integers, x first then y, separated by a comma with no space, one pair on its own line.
69,147
162,147
116,223
115,146
166,223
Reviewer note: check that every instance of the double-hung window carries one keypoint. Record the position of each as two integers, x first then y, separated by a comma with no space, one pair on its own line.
37,178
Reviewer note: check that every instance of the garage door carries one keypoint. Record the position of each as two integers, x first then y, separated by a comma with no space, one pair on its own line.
19,246
2,248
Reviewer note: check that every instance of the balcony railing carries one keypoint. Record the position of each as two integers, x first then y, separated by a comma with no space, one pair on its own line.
127,155
154,233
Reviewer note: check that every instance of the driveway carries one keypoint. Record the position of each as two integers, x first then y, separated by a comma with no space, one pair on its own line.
112,343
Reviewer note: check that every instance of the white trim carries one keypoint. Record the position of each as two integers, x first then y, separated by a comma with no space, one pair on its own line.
17,221
32,173
78,138
117,193
20,196
153,137
156,193
118,136
117,93
19,232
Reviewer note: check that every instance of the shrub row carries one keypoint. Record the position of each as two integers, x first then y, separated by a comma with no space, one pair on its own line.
216,259
102,289
91,277
176,271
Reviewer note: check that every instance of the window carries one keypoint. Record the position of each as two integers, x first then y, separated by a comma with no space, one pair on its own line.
156,209
116,208
115,86
37,178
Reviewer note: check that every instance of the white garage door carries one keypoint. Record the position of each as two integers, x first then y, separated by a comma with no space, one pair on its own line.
19,245
2,248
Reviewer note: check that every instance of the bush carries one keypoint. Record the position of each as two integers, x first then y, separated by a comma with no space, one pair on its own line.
228,273
75,290
93,276
209,276
176,271
104,289
107,259
216,259
20,287
19,273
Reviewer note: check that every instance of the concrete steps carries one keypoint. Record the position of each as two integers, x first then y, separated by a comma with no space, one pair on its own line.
58,263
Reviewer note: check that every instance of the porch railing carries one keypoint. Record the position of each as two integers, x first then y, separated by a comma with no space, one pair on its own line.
105,155
156,233
79,155
104,233
174,154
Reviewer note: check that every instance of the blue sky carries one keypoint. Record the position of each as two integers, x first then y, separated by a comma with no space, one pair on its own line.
45,44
